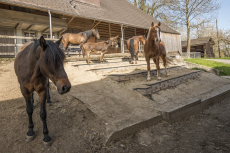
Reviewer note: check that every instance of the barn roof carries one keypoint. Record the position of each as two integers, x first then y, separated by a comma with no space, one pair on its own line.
114,11
197,41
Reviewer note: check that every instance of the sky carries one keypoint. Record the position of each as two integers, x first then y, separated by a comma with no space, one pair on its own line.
224,15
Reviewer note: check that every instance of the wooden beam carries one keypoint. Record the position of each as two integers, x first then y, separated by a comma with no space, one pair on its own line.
31,26
70,21
46,29
61,31
96,24
135,31
18,25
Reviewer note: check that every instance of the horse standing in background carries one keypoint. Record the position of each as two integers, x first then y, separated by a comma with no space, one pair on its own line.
133,45
155,48
100,47
78,39
37,62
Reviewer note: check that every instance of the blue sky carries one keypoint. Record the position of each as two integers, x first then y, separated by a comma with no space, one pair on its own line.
224,15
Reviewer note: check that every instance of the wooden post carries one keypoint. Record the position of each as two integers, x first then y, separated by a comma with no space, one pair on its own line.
109,31
135,31
122,39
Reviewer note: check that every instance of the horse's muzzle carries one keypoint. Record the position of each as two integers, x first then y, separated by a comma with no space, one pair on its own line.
63,89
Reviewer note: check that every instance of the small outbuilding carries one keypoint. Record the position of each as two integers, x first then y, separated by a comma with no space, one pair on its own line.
203,45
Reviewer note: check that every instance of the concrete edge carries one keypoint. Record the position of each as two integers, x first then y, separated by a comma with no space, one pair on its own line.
190,65
194,107
134,128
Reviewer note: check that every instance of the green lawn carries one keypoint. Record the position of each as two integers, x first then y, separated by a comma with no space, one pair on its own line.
224,68
219,58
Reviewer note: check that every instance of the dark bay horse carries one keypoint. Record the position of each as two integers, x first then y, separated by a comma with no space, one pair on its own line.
37,62
133,45
78,39
155,48
100,47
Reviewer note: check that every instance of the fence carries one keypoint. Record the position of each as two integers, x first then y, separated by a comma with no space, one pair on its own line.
13,51
191,55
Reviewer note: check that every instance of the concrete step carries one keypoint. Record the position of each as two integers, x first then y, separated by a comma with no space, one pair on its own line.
151,88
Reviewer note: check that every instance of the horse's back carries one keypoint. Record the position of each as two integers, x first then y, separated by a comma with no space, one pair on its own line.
20,63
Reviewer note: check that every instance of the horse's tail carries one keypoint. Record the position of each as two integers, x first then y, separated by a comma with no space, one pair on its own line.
169,60
132,47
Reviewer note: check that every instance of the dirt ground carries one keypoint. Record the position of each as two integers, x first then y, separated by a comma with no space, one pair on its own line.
74,128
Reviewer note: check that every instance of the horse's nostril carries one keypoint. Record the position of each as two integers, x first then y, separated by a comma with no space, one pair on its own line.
64,88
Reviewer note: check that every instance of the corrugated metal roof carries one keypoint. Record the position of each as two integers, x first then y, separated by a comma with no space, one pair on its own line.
114,11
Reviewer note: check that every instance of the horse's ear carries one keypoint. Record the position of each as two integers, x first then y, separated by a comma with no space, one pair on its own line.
159,24
59,41
107,42
152,24
42,42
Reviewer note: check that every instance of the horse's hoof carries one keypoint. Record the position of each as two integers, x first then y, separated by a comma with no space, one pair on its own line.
29,138
47,144
167,75
159,79
148,79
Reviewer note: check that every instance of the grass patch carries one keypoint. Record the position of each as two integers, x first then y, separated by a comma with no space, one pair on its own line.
196,68
219,58
224,68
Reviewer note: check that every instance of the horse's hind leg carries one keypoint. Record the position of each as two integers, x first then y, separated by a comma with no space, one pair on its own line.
165,64
29,109
32,99
48,93
43,115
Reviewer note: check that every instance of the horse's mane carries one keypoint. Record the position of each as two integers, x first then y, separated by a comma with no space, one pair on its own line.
149,33
89,33
54,56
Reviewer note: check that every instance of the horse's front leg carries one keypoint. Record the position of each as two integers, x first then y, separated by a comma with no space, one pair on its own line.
148,68
102,56
158,69
29,109
42,99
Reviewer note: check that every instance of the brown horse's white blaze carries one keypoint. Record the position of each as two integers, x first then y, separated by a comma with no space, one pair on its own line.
155,48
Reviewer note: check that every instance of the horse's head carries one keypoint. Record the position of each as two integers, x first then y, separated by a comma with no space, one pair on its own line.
51,64
96,33
113,41
143,39
154,32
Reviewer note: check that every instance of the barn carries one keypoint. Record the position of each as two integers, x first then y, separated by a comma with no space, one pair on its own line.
30,18
203,45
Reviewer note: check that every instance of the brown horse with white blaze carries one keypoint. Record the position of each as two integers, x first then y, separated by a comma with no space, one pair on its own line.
79,38
155,48
34,64
133,45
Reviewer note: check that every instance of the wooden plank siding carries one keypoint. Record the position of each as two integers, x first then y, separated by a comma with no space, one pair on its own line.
7,49
172,42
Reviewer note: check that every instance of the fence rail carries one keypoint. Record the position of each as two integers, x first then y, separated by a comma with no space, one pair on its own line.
15,45
191,55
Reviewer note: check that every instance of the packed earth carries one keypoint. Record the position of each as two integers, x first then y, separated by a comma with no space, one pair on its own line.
73,127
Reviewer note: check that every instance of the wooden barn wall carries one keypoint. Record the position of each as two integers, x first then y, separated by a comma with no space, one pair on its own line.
6,49
172,42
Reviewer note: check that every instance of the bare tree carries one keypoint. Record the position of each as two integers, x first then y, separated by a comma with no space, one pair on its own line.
186,12
155,8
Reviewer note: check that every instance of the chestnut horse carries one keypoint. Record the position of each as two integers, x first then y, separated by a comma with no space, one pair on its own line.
155,48
79,38
37,62
100,47
133,45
